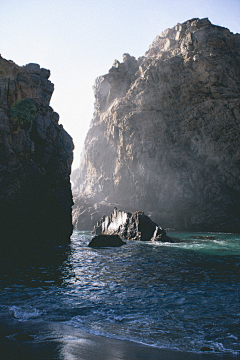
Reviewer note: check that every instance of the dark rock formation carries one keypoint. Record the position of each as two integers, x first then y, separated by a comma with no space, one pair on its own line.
35,160
106,241
165,134
136,226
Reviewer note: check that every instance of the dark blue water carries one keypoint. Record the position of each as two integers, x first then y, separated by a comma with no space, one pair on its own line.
183,296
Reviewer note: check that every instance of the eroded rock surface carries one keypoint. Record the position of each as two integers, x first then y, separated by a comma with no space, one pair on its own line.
165,134
136,226
35,160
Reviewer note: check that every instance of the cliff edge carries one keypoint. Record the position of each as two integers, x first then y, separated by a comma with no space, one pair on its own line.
36,154
164,137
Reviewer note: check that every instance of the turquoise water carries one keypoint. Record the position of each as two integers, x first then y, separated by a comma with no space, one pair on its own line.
183,295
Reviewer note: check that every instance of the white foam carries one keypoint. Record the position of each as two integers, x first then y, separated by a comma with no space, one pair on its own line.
24,315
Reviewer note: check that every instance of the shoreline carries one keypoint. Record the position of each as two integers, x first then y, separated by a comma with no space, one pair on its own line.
35,340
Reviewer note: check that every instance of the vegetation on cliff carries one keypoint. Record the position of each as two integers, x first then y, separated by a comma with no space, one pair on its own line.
35,160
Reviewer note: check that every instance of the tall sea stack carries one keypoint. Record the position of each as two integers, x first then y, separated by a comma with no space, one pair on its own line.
164,138
35,160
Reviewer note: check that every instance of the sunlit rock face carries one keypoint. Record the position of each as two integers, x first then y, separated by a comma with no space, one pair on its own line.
35,160
136,226
164,137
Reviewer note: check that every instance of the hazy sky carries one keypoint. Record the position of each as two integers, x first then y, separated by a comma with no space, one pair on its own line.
78,40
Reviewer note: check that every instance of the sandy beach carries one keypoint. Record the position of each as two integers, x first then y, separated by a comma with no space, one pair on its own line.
34,340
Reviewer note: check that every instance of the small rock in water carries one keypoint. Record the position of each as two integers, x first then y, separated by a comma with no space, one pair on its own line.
106,241
23,337
205,348
207,237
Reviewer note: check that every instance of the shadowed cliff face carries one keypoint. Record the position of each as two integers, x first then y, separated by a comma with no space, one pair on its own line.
164,138
35,160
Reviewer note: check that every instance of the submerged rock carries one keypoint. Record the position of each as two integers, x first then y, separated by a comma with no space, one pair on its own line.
136,226
36,154
23,337
206,348
106,241
165,134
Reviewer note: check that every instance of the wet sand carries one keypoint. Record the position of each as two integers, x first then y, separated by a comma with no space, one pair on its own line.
34,340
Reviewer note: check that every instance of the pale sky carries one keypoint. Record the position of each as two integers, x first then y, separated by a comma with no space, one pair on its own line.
78,40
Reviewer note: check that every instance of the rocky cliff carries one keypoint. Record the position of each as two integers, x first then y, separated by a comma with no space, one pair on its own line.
164,137
35,160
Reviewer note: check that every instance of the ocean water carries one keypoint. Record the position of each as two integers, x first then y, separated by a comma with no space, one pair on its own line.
182,296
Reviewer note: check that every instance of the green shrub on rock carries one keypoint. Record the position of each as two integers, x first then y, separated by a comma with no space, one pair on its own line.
23,112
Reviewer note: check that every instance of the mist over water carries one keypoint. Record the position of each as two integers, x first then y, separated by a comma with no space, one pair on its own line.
181,296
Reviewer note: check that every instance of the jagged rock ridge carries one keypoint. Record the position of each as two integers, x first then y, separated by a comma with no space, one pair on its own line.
136,226
36,154
164,138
